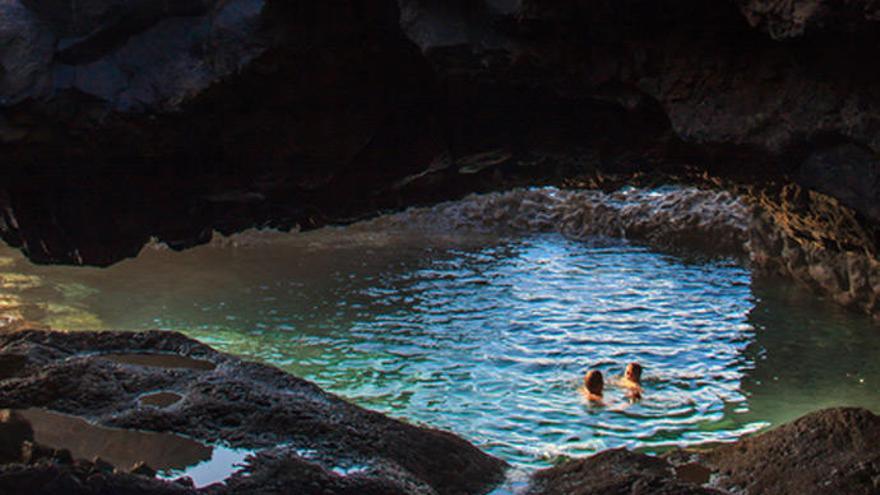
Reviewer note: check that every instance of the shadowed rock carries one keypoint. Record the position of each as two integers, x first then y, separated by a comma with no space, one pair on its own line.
677,218
14,431
614,472
829,451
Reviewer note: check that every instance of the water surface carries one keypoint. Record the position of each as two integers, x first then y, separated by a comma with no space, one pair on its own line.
171,455
488,336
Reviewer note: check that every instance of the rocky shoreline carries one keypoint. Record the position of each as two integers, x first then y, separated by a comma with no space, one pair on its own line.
299,433
306,441
674,218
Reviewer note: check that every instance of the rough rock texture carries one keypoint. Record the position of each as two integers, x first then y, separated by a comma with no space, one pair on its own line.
129,54
830,451
301,432
49,476
614,472
784,19
672,218
815,240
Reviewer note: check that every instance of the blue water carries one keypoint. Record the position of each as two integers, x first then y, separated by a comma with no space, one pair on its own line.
489,336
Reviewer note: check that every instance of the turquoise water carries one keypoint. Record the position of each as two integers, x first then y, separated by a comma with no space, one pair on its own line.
488,336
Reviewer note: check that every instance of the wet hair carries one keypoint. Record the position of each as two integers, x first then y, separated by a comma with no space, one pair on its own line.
634,372
593,382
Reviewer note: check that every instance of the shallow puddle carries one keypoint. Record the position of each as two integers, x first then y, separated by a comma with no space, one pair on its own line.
172,455
161,361
160,399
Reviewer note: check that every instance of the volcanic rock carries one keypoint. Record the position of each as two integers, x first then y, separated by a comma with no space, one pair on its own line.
829,451
301,434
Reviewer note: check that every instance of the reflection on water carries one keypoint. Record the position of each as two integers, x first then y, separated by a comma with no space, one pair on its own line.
172,455
489,337
809,354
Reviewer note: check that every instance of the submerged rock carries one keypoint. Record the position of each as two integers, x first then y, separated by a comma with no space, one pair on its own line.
829,451
306,440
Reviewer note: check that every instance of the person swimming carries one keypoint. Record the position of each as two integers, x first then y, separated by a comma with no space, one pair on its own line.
594,385
632,380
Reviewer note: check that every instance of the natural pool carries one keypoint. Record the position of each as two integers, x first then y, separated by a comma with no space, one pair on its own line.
488,335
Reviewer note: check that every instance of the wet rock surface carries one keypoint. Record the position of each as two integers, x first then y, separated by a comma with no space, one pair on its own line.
817,241
689,219
830,451
306,440
614,472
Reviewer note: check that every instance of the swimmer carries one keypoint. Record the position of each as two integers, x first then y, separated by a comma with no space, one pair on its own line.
593,386
632,381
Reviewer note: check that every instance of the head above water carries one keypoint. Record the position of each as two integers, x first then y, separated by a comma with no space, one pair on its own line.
593,382
633,372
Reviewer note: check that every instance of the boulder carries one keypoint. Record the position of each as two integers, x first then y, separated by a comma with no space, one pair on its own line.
829,451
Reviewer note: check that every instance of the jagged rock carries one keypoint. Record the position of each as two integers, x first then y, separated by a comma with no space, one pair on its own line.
678,218
848,173
54,479
829,451
614,472
814,239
